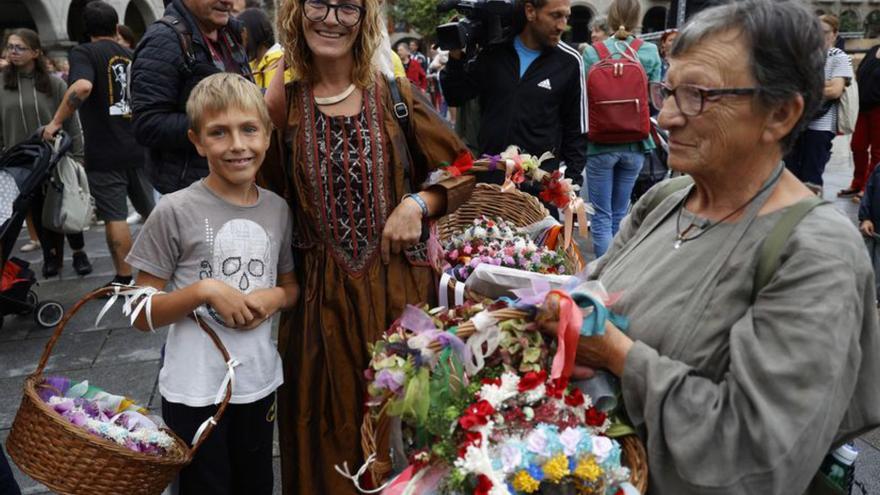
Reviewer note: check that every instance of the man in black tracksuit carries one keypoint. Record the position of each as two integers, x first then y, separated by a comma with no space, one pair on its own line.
162,78
531,90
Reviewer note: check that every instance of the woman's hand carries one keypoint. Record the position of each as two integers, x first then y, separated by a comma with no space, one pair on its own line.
867,228
601,351
402,229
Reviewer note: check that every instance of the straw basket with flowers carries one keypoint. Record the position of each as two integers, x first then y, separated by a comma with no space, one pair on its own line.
78,446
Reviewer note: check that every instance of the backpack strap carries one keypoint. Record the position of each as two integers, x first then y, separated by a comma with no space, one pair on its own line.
667,189
771,249
636,44
184,38
601,50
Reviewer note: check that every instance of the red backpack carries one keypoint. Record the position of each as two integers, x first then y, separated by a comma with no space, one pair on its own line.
617,94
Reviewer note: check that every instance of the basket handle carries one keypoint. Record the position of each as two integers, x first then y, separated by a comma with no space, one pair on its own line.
50,345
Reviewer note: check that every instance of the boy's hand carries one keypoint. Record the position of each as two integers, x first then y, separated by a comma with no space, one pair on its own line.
867,228
264,303
229,303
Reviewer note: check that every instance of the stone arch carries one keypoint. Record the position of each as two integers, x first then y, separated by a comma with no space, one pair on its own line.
850,21
654,19
136,18
17,14
44,16
76,30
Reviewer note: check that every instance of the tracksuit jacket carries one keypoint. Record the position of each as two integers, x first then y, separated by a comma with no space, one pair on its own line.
545,110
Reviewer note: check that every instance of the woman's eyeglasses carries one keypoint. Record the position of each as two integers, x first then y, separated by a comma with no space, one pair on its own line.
691,99
17,48
347,14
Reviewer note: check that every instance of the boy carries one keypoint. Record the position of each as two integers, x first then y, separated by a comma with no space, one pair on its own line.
224,245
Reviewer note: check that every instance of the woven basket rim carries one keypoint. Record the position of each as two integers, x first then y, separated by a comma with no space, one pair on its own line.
30,393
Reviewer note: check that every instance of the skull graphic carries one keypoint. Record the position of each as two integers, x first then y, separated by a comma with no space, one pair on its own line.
241,256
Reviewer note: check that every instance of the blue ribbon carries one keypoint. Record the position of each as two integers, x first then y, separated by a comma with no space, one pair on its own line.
594,323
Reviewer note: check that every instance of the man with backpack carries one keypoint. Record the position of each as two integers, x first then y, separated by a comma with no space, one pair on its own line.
194,39
114,161
530,89
619,69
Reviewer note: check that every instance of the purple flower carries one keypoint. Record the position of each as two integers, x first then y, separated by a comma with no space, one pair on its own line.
390,380
78,418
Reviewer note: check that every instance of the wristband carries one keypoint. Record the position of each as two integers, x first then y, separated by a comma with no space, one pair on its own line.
419,201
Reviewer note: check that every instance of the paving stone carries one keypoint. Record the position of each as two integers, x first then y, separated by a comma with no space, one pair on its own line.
10,390
73,351
126,345
868,468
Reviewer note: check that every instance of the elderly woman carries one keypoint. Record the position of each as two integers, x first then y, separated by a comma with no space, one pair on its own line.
348,175
735,392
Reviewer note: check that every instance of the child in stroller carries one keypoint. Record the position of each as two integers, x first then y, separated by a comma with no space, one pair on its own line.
24,170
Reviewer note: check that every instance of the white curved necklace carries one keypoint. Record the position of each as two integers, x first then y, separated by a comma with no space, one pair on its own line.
332,100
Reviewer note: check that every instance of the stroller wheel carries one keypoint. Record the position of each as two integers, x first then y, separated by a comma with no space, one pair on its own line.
49,313
32,300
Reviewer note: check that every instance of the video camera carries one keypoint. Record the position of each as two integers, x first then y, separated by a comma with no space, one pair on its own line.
486,22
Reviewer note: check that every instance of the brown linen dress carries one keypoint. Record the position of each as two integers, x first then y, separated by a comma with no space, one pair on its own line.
344,180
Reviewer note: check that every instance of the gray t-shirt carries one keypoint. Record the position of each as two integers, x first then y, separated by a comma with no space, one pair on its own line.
194,234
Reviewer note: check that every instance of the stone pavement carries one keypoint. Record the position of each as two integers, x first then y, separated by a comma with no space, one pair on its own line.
124,360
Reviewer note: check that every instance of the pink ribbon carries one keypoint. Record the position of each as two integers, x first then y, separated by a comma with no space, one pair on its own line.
567,333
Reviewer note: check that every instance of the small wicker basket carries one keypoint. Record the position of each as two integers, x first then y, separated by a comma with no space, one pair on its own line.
71,460
376,429
490,200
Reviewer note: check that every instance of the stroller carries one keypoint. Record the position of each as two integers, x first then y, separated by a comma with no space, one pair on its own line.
24,169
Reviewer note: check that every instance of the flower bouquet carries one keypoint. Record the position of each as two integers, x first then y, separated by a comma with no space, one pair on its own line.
497,242
478,411
113,417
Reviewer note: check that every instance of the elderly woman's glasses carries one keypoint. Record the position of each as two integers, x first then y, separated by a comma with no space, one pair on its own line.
691,99
349,15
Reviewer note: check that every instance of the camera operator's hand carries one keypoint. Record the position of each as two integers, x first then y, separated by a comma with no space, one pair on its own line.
456,54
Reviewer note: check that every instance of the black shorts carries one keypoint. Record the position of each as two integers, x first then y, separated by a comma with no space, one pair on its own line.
111,187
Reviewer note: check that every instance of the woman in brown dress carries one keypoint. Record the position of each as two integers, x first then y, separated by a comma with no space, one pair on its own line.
355,232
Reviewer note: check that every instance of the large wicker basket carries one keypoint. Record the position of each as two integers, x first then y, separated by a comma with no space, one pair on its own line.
519,208
70,460
375,430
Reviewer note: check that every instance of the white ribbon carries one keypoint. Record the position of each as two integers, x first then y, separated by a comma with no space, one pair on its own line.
442,294
355,478
459,293
201,429
487,332
141,295
229,379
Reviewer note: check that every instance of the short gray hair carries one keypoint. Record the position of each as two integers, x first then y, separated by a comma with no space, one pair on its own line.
786,46
601,23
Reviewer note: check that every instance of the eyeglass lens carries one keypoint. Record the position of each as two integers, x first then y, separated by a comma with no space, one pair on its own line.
17,48
688,99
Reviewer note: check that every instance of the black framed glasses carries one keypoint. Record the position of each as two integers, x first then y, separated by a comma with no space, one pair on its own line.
347,14
17,48
691,99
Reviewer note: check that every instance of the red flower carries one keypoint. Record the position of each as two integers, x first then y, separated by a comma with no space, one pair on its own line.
518,176
556,388
575,398
484,484
595,417
476,414
470,438
462,164
554,192
491,381
531,380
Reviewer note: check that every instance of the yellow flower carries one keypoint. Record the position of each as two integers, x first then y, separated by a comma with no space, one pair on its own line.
523,482
587,469
556,468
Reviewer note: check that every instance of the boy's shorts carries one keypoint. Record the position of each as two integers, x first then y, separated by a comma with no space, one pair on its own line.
111,187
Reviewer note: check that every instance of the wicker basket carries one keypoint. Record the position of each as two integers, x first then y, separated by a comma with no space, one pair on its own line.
376,429
519,208
71,460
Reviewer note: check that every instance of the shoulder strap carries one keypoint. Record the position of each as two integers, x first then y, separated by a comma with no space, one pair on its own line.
636,44
771,249
184,37
401,114
601,50
666,189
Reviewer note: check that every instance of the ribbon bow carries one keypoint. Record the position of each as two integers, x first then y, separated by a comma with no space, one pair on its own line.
594,323
576,207
486,332
567,330
143,296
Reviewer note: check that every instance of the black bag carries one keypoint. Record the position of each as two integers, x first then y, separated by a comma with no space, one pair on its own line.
655,169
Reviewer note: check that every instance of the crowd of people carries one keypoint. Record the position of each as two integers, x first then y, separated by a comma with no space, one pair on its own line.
281,170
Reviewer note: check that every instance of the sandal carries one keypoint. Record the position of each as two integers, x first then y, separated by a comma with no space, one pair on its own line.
845,193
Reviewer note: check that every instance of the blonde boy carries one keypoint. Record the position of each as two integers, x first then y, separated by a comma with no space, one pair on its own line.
223,245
